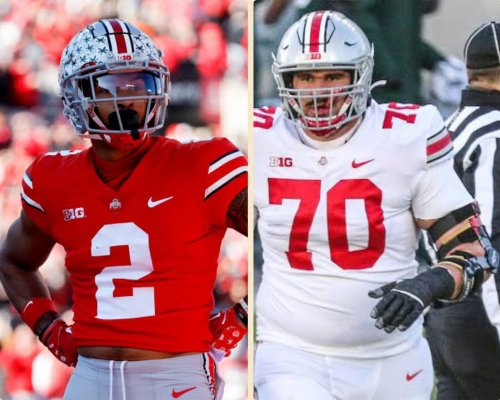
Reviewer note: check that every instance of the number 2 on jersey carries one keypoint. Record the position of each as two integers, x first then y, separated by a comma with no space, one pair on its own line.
142,301
308,192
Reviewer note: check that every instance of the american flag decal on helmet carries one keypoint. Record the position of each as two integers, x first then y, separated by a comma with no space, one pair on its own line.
118,34
318,30
439,146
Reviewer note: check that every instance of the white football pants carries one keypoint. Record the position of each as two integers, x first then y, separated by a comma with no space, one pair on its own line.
286,373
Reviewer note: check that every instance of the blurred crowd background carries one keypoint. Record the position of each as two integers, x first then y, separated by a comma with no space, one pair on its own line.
205,47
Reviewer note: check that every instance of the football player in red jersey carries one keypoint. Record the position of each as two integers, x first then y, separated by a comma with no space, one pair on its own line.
141,219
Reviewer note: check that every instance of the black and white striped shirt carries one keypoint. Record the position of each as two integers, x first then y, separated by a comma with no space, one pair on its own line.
475,131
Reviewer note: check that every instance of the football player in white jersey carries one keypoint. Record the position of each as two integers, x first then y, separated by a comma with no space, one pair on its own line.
342,187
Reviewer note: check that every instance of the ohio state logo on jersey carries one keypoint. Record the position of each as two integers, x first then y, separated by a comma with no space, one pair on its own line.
115,204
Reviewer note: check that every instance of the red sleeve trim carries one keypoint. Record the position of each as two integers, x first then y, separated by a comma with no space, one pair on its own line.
439,146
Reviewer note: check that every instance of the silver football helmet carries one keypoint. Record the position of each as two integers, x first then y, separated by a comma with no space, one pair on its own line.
324,40
110,62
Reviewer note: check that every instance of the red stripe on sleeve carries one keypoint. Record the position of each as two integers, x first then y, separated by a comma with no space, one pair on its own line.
439,145
118,35
315,28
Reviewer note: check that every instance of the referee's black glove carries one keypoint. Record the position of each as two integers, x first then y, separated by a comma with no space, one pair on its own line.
404,301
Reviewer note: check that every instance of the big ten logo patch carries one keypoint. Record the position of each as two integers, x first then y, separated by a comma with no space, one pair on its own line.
313,56
124,57
73,213
280,162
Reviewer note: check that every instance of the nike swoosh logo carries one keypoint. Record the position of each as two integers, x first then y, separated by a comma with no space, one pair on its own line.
176,395
360,164
152,203
410,377
29,303
349,44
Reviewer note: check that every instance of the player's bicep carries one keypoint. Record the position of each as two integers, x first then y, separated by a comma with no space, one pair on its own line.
438,191
26,246
226,178
32,197
237,213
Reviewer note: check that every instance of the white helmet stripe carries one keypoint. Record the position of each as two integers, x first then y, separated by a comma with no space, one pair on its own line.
126,36
112,39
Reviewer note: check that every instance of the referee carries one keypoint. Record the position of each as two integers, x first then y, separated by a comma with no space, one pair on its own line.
463,337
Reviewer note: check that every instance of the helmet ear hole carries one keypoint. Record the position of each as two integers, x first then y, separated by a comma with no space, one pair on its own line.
288,79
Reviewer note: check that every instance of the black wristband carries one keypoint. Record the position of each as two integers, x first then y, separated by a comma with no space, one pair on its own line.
44,322
241,313
439,282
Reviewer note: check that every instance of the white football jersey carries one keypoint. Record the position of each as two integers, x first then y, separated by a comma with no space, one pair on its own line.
338,221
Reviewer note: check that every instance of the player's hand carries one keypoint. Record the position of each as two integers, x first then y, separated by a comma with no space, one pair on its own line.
58,338
228,329
404,301
400,305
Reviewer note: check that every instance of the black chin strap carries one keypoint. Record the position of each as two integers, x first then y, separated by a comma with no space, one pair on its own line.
135,134
129,119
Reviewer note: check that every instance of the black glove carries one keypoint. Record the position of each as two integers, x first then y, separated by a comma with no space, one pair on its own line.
402,302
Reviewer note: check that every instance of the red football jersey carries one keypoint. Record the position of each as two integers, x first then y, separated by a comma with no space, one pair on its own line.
142,259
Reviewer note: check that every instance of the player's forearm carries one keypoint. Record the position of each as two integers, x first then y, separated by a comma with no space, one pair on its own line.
464,249
29,294
21,285
475,249
24,250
